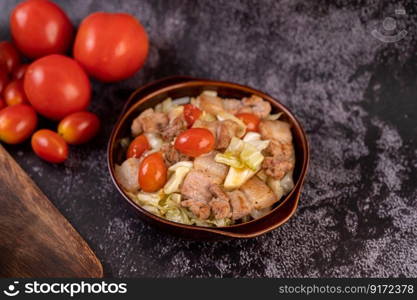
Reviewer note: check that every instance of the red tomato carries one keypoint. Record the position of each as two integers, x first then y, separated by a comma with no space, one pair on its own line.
111,46
79,127
251,121
17,123
14,93
2,103
49,146
4,79
152,173
40,27
9,57
139,145
57,86
195,142
20,71
191,114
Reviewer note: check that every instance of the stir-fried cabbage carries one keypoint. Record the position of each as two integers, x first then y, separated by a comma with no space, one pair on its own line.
274,116
154,140
205,116
237,177
180,170
181,101
281,187
251,157
254,139
209,93
230,160
244,158
169,207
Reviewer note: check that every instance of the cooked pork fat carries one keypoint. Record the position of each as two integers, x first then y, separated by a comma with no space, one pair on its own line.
196,186
127,174
211,104
275,130
259,192
210,167
232,105
257,106
241,205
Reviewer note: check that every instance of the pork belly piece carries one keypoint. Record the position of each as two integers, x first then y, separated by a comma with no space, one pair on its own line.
210,167
172,155
210,104
257,191
196,186
127,174
149,121
219,204
280,157
226,130
173,129
232,106
241,205
275,130
199,208
256,105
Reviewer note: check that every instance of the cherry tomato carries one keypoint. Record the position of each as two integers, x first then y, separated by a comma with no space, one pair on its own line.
17,123
40,27
20,71
49,146
191,114
4,79
2,103
251,121
195,142
9,57
57,86
14,93
111,46
79,127
152,173
139,145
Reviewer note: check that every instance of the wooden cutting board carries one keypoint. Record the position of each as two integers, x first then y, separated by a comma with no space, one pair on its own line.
35,239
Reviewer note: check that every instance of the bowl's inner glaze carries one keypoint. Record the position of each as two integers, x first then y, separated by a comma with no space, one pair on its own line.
122,129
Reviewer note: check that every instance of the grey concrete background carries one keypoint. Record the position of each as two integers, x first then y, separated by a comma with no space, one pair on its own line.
355,95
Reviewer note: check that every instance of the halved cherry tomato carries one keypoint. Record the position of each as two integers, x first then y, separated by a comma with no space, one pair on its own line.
17,123
40,27
20,71
195,142
4,79
9,57
57,86
14,93
49,146
251,121
191,114
139,145
79,127
152,173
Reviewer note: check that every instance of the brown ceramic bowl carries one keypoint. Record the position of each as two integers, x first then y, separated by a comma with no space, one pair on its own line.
177,87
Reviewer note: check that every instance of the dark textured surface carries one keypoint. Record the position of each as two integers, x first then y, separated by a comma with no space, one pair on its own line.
355,95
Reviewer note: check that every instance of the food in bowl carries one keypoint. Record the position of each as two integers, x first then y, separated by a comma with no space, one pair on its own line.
207,160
